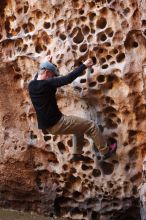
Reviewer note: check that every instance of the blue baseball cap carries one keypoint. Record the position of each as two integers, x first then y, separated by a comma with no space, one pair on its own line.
49,66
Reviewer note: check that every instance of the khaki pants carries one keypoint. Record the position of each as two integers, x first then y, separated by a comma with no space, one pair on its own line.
79,126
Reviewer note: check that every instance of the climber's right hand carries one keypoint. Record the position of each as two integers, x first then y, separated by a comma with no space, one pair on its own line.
49,58
88,63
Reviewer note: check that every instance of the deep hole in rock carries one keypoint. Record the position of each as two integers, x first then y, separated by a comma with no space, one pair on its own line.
112,63
143,22
126,11
108,99
115,51
109,109
112,116
61,147
62,37
107,168
109,1
92,16
111,124
101,78
32,135
91,70
17,77
94,60
24,49
83,48
120,57
38,180
47,25
85,30
135,44
108,57
77,194
47,138
26,7
105,66
81,11
7,25
82,80
38,48
103,37
101,23
19,10
65,167
92,84
134,190
112,78
83,18
110,184
74,47
102,60
78,88
72,170
101,128
96,172
15,147
92,30
47,146
79,37
100,50
52,157
133,154
107,44
38,14
127,167
74,179
69,143
85,167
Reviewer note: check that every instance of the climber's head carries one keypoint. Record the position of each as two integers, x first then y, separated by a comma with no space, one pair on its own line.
48,70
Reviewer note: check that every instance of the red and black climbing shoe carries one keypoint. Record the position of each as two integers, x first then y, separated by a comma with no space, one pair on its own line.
112,147
112,150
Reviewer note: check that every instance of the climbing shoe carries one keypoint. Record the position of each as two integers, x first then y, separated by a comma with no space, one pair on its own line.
112,150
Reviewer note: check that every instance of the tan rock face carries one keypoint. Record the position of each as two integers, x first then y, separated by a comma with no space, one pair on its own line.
35,172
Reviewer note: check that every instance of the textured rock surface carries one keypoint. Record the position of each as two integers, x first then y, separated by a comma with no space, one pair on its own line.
142,189
35,172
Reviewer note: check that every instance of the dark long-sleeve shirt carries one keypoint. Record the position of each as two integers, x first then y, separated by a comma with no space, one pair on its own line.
42,94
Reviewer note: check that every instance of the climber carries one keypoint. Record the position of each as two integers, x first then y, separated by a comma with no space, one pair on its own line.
42,91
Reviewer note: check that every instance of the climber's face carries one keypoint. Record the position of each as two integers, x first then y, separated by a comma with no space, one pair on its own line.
49,74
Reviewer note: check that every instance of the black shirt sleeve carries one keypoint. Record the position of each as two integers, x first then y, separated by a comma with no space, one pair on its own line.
64,80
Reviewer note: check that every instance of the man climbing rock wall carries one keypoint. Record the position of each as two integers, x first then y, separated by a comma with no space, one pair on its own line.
113,95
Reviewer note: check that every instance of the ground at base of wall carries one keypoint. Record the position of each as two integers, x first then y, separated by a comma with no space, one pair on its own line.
6,214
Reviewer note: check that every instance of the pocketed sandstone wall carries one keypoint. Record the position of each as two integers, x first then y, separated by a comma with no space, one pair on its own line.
35,171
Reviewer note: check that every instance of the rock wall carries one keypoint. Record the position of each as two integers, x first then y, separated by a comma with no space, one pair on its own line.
35,170
142,192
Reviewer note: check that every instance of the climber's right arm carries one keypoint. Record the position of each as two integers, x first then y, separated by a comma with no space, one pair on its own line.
64,80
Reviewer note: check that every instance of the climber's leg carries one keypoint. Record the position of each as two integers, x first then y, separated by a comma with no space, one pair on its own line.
79,126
